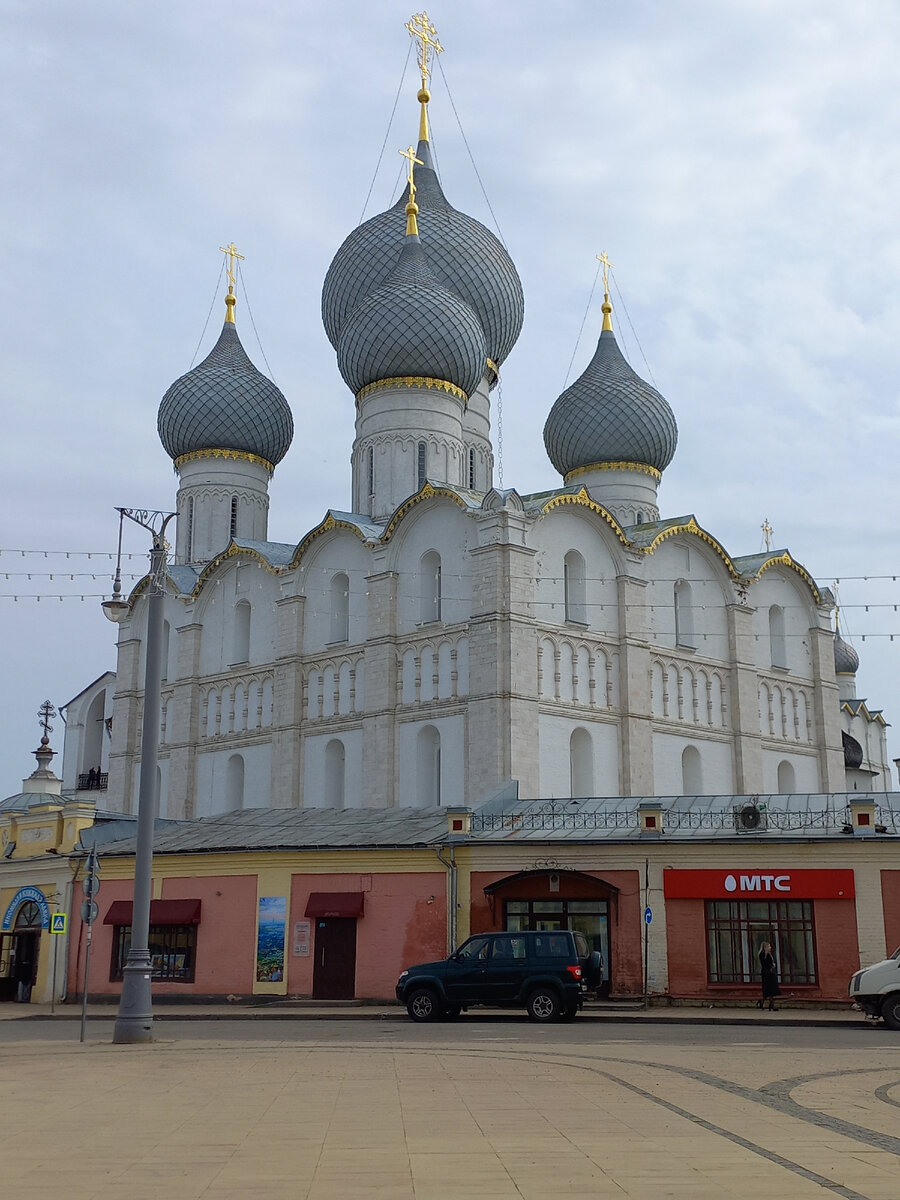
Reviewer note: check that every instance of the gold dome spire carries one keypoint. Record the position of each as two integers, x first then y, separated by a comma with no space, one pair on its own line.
420,27
230,299
606,307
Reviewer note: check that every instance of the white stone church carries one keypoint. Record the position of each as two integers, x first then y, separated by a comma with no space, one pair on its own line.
435,637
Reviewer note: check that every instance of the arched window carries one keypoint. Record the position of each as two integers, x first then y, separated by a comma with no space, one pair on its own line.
421,464
164,656
371,470
334,774
428,767
471,468
234,515
691,772
234,783
430,587
28,916
684,614
241,643
581,764
573,578
776,636
787,781
340,607
640,518
189,540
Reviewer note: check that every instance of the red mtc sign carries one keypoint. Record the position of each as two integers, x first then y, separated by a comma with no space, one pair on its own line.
752,884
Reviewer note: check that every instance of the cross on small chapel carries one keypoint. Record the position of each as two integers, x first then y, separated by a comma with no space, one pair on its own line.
231,251
420,27
45,713
604,259
767,532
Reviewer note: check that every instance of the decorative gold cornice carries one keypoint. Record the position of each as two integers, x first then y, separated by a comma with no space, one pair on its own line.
695,530
412,381
643,468
785,560
583,500
862,710
426,492
326,526
240,455
233,551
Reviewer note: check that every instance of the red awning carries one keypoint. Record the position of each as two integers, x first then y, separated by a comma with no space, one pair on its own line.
334,904
162,912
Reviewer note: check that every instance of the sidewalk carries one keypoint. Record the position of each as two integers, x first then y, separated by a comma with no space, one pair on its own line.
317,1010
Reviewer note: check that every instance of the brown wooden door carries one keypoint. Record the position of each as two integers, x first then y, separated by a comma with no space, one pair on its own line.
334,974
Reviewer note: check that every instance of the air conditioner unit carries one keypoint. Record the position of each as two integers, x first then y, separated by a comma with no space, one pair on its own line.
750,818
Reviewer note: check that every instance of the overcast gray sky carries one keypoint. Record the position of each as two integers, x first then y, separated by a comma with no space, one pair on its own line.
736,158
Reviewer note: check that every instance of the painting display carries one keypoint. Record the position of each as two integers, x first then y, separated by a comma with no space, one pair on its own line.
270,939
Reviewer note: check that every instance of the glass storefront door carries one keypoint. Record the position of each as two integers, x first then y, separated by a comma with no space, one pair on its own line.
591,917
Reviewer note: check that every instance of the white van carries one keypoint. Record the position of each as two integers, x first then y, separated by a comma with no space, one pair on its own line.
877,990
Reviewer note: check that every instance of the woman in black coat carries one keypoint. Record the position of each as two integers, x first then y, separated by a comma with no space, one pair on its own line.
769,977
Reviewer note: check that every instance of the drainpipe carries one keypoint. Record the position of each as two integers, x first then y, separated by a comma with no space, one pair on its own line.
450,867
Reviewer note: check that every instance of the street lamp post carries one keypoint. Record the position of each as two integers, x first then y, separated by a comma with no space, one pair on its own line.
134,1021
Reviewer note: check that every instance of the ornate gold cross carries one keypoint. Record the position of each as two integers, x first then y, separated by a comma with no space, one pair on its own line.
410,154
604,259
231,251
420,27
767,532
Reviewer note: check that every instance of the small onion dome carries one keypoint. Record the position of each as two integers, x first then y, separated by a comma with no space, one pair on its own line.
846,660
609,414
853,752
412,327
224,403
462,253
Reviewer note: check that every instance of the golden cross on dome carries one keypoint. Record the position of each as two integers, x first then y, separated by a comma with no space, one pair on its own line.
420,27
231,251
604,259
410,154
767,532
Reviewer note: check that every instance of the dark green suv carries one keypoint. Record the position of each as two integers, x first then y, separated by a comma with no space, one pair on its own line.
546,973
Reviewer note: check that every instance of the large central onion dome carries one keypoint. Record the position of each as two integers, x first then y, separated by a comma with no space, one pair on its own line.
464,256
610,415
225,403
412,327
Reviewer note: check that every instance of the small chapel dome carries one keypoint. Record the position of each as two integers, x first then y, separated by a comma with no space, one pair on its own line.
610,415
412,327
846,660
225,403
464,256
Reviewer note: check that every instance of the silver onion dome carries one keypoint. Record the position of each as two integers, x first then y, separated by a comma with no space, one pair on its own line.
464,256
411,327
225,403
846,660
609,414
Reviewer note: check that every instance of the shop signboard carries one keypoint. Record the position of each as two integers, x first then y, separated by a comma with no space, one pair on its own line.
22,895
758,883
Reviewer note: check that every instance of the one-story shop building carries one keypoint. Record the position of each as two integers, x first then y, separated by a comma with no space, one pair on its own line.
333,904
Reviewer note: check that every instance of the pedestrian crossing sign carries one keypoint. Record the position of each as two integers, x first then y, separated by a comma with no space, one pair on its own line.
58,922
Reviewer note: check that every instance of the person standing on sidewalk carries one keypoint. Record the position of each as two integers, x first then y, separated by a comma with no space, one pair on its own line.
768,976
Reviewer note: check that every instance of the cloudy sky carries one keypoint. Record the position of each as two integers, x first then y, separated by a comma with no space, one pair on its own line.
736,158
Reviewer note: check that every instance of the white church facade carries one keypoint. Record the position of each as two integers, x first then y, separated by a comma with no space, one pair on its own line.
442,637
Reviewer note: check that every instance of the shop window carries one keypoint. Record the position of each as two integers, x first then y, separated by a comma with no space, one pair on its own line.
590,917
776,636
684,614
735,930
173,950
573,579
340,608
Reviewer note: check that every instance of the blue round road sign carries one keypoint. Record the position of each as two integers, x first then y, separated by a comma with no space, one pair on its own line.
648,915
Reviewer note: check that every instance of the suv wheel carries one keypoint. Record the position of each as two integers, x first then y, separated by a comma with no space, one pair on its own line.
423,1005
543,1005
890,1011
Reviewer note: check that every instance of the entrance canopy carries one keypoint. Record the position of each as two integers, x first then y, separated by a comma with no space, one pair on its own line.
335,904
162,912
